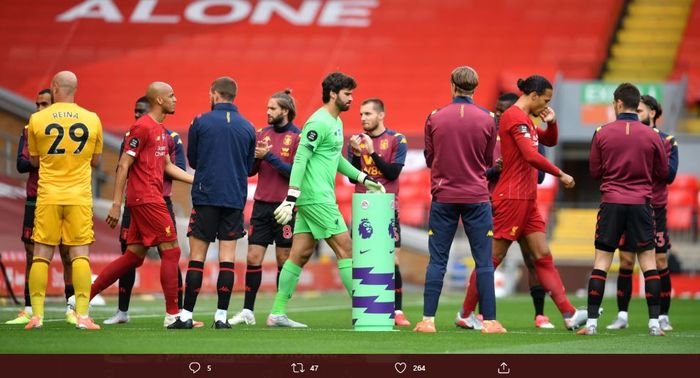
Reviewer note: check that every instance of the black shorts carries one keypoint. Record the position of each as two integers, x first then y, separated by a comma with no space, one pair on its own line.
662,240
126,220
264,229
634,222
209,223
28,222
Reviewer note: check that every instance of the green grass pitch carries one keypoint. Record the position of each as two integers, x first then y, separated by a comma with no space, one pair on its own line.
329,318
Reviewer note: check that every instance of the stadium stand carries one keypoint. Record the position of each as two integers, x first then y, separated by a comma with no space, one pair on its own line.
115,60
639,55
686,64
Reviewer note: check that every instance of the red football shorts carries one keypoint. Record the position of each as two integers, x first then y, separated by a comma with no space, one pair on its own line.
515,218
151,225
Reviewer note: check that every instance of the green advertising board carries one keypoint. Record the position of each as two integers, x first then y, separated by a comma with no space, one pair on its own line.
602,92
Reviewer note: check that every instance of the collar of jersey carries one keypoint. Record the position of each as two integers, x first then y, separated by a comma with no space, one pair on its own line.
462,100
627,117
282,129
225,106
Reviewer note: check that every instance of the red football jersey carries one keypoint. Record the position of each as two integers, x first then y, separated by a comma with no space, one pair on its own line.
519,140
147,143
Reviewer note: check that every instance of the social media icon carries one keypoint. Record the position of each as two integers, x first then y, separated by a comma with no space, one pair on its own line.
400,367
194,367
503,368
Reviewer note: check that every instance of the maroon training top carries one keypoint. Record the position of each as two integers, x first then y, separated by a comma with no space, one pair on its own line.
627,156
459,142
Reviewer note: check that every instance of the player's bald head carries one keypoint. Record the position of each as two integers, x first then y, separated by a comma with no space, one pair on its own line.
64,84
161,95
157,89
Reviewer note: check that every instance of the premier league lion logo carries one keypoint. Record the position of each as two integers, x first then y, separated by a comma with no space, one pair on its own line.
365,229
392,231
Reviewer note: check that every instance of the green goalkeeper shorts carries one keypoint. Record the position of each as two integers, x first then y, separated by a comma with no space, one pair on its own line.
321,220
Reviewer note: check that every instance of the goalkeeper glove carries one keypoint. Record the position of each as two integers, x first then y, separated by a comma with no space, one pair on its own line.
283,213
371,184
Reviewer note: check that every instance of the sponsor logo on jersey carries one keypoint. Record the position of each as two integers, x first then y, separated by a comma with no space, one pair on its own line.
134,142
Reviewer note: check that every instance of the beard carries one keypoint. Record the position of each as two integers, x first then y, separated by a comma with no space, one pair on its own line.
646,121
276,121
342,106
371,126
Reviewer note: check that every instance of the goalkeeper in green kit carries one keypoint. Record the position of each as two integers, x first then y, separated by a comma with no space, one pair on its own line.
312,191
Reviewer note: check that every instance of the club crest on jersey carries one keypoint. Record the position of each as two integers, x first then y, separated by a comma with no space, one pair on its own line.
287,140
384,145
267,139
133,143
312,135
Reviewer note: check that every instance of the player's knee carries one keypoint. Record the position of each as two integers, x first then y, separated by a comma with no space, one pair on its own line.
626,263
661,261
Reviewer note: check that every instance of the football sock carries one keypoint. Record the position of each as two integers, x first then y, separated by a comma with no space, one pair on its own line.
126,284
398,289
596,289
69,290
549,278
224,285
345,269
253,278
38,279
666,290
537,293
652,288
624,289
168,278
114,270
289,277
472,297
279,270
82,278
193,283
179,286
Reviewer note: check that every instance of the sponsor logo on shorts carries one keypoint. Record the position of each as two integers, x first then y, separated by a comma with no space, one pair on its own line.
489,234
365,229
364,204
168,231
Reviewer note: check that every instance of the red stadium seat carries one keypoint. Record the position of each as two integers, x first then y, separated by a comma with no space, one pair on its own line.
680,218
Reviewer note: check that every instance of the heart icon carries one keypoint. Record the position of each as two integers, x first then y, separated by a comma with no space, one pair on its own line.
400,367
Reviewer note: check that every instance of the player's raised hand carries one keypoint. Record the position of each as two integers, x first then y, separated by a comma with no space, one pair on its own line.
261,150
567,180
371,184
284,212
548,115
368,143
499,164
355,142
113,215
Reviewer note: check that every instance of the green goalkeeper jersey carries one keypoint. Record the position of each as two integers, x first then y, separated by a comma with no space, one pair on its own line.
323,136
